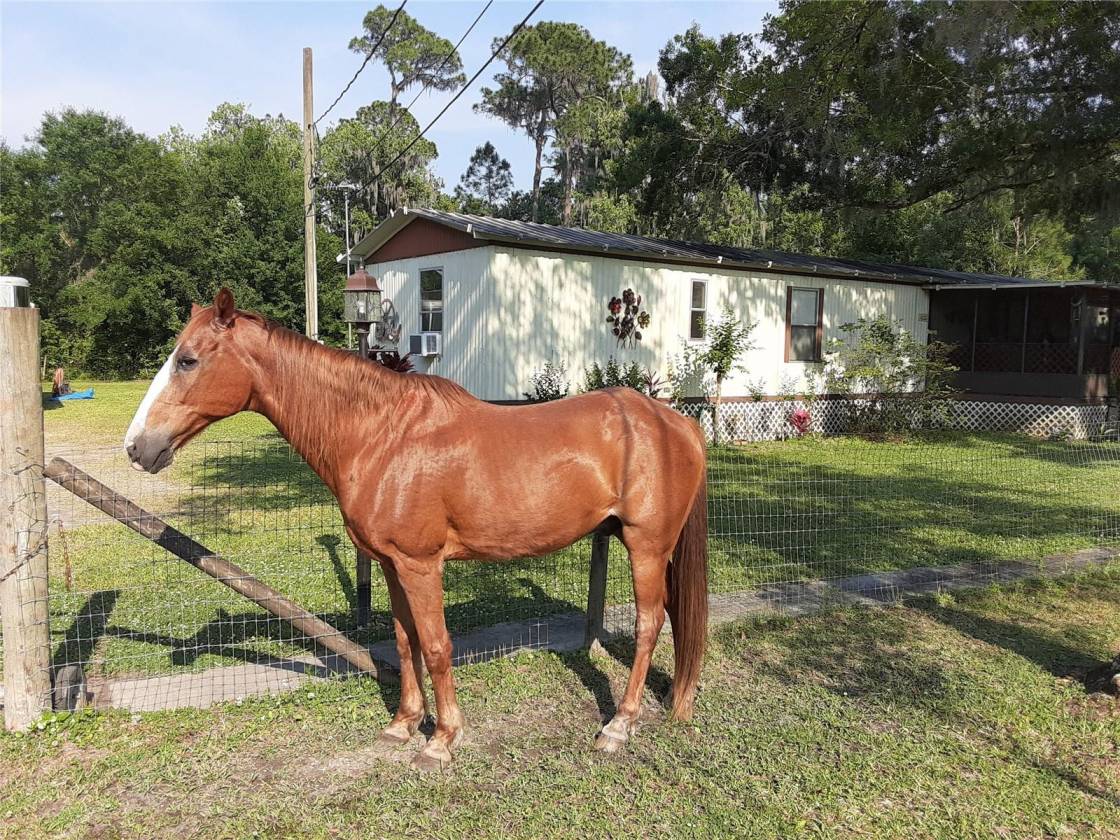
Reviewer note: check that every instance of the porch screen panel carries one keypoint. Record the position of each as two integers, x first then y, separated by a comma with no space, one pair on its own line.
1051,346
999,331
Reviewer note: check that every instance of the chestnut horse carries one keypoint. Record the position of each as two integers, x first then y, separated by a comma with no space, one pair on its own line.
425,473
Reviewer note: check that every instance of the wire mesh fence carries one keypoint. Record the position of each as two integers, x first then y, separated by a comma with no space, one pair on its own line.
794,524
768,419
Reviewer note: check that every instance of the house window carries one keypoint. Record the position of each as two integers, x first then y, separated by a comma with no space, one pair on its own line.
804,324
431,300
697,309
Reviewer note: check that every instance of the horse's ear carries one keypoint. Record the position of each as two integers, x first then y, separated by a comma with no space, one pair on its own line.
224,308
195,309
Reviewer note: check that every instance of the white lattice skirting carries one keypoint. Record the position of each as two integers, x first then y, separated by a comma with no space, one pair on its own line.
770,420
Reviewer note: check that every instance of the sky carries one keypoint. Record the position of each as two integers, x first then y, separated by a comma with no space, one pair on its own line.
158,64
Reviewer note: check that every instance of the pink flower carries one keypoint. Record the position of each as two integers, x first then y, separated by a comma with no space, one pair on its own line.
800,420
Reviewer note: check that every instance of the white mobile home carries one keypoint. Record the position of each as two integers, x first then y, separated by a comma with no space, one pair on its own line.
505,297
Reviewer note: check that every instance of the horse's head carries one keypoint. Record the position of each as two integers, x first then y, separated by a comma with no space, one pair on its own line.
206,377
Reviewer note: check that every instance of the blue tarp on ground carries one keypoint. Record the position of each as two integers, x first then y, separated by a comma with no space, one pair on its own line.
87,394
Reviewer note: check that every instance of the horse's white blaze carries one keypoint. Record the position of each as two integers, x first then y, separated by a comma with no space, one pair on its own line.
154,390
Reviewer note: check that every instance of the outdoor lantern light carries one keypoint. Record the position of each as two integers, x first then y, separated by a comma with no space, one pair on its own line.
362,305
362,298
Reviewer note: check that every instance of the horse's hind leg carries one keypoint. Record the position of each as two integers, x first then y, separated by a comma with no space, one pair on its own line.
648,567
413,705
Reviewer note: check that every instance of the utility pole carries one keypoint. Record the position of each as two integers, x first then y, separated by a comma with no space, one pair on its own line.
310,278
346,188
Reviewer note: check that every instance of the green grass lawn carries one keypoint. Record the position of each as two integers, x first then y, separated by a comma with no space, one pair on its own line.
956,717
104,419
782,511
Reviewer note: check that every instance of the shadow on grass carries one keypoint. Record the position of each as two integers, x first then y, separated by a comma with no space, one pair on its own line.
782,512
234,635
583,665
851,654
785,514
86,630
330,543
262,475
788,512
1051,652
882,657
1057,654
1068,453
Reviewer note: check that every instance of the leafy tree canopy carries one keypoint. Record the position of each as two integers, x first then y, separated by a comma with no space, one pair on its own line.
563,85
884,105
119,234
487,184
411,53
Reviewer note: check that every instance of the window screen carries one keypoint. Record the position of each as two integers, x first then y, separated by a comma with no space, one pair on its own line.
431,300
803,326
697,309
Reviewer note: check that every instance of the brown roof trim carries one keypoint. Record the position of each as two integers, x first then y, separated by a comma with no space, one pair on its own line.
422,238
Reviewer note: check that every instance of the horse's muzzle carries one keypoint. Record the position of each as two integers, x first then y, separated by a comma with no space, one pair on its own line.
151,451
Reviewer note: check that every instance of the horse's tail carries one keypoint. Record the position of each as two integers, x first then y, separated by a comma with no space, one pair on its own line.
687,578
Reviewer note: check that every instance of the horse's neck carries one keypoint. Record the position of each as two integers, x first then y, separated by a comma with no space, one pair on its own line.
315,396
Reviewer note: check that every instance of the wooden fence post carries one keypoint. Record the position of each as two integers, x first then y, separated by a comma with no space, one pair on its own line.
23,522
597,589
363,589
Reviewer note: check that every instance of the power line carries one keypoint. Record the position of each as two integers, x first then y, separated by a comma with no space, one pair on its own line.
368,57
428,84
455,98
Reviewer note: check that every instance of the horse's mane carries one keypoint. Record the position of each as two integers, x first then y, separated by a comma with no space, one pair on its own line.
363,380
312,376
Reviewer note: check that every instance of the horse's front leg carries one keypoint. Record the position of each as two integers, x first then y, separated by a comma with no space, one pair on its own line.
413,705
422,582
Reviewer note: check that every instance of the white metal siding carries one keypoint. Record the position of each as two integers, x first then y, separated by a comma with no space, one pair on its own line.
509,310
468,308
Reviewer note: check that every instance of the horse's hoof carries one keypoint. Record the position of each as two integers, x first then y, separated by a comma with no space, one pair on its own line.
608,742
430,760
391,740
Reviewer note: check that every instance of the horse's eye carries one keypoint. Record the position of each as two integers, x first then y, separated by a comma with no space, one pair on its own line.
186,363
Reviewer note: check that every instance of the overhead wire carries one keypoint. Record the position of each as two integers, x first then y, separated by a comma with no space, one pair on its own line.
446,58
368,58
454,99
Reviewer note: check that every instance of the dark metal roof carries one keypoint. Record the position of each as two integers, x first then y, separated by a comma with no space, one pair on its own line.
578,240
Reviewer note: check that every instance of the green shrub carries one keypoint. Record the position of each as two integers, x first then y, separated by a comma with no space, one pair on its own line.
898,383
549,383
631,375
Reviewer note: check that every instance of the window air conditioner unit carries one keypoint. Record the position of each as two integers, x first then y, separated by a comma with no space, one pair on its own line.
425,344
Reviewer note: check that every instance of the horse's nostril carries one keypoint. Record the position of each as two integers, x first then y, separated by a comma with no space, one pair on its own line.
131,450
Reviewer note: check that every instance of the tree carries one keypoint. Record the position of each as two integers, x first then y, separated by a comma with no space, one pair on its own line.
549,200
726,341
997,96
798,140
412,54
358,149
559,85
487,184
119,234
521,100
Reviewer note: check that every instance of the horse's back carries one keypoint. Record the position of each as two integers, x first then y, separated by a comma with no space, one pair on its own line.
619,416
